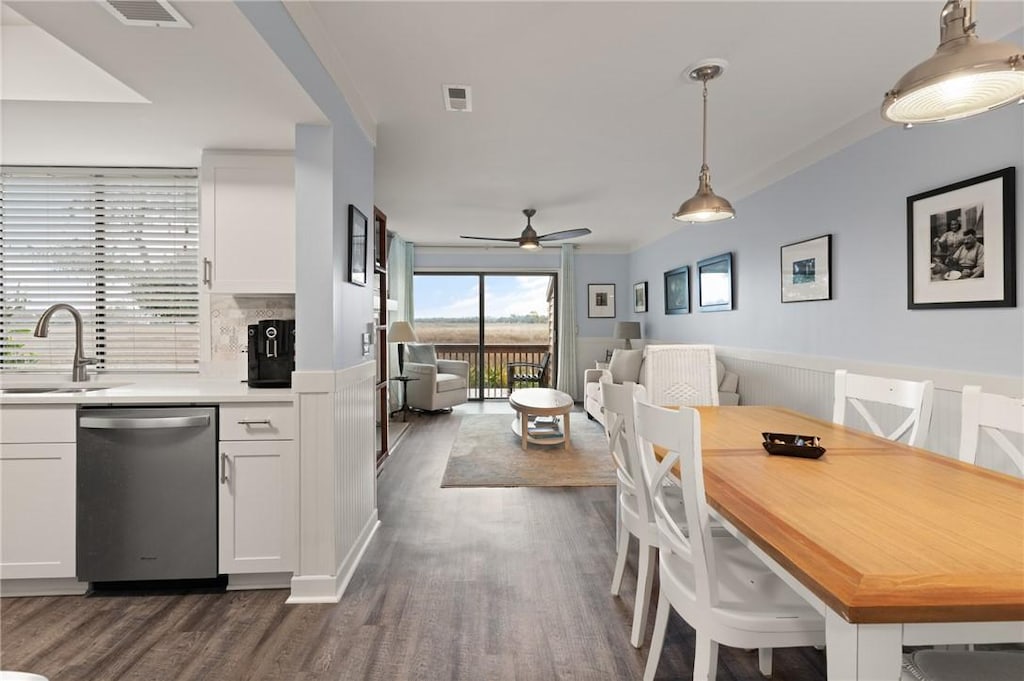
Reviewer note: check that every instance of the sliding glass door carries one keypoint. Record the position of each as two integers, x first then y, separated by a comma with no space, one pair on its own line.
489,320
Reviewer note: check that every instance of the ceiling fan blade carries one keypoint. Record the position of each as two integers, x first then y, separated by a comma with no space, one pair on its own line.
564,234
489,238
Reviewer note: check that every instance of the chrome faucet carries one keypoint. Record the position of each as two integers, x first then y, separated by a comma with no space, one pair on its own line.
43,329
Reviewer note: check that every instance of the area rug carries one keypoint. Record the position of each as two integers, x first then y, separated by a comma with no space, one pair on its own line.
487,454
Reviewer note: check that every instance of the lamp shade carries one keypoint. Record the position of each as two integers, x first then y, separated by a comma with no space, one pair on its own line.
705,205
402,332
627,330
964,77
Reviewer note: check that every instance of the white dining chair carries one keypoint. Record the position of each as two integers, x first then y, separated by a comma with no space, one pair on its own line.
634,511
916,396
993,415
715,583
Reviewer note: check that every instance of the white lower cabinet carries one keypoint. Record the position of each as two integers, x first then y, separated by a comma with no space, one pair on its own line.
258,493
37,492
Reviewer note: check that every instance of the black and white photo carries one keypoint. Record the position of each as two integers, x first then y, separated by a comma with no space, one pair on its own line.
640,296
960,244
600,300
357,229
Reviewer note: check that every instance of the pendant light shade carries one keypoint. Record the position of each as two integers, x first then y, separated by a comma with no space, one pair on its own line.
705,205
964,77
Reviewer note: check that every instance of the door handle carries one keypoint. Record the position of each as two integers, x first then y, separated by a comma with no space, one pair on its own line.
223,468
207,271
109,423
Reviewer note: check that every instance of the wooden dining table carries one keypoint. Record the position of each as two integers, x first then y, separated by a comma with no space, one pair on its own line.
893,545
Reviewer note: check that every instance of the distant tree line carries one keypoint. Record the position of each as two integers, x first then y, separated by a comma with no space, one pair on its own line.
532,318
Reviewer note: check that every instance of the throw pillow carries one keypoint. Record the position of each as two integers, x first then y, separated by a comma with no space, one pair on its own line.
625,365
421,353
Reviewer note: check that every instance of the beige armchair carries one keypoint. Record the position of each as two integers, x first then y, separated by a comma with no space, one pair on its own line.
439,385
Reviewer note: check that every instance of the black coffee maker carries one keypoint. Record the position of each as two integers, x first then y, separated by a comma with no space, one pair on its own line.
271,353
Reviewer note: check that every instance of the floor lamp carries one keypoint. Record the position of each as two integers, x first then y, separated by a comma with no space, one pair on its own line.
401,333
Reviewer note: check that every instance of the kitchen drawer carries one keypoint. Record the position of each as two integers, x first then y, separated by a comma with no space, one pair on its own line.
29,423
257,421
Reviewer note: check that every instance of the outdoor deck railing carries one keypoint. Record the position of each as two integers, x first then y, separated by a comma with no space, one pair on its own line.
496,359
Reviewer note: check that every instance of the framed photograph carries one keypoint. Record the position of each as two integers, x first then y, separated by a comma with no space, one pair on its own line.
640,297
960,244
356,246
807,270
600,300
677,290
714,283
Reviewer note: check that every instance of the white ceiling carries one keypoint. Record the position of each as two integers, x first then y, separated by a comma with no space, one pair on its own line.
580,108
216,85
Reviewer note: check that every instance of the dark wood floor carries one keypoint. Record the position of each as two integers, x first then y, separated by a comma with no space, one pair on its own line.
475,584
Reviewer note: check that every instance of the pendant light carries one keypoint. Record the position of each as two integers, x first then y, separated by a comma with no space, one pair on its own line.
705,205
964,77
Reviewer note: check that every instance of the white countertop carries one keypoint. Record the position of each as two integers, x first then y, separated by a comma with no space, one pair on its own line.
191,389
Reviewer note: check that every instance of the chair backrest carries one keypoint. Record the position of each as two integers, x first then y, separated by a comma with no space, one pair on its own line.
992,414
617,400
545,360
913,395
684,375
679,433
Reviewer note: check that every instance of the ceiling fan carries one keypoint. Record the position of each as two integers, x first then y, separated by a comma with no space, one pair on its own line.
529,239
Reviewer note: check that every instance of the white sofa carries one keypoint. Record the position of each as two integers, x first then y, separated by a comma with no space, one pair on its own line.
728,385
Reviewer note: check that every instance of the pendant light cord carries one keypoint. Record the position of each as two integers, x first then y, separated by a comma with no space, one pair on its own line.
704,147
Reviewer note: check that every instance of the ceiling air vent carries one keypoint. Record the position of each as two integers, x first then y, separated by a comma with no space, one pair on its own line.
146,13
457,98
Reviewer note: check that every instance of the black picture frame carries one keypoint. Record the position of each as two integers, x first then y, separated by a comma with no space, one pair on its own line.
939,224
640,296
805,268
601,301
357,233
677,290
714,283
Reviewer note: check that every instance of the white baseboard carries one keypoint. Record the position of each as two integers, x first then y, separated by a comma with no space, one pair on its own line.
330,588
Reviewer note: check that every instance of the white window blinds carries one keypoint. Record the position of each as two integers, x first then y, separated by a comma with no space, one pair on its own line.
120,245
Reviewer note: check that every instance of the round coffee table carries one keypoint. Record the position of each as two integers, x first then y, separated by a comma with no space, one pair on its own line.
532,402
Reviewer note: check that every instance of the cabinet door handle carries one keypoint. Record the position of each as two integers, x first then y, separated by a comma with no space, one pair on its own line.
207,271
223,468
254,422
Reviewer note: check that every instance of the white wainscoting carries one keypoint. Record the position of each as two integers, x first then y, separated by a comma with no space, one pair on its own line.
338,479
805,383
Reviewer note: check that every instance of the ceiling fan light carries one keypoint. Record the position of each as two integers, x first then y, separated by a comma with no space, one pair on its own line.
530,245
963,78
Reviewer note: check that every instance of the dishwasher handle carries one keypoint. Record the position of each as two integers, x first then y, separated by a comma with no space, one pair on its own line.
139,423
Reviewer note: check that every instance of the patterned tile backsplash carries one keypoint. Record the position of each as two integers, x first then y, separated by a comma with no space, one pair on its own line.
230,317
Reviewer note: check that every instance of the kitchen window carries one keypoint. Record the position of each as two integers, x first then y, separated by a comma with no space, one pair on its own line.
119,244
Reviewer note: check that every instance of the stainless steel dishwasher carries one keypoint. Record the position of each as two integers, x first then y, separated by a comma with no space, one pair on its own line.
147,493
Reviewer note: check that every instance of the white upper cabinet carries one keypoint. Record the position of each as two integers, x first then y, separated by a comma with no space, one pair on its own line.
247,222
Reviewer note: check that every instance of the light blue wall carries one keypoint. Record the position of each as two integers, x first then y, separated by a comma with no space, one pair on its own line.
602,269
859,196
319,245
